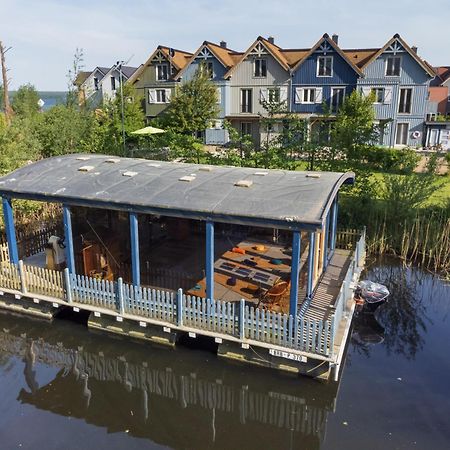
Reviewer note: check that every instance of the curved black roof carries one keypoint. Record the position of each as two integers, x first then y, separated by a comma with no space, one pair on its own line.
278,198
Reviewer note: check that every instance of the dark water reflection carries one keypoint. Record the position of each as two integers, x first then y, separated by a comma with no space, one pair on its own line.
64,387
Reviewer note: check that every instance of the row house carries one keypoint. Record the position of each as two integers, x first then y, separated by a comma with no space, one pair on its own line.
438,118
102,83
311,82
156,80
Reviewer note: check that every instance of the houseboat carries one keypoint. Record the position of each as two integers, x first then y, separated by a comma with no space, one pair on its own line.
251,259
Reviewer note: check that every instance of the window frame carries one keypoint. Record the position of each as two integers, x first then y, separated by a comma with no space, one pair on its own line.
399,66
250,125
309,102
406,134
164,101
404,103
276,91
113,83
158,66
337,88
319,58
377,90
260,67
249,98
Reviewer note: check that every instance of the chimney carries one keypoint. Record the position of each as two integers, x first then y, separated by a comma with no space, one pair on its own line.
335,38
223,44
414,49
271,39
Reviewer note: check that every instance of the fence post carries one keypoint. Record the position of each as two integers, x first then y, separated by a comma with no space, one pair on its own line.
23,285
242,319
120,295
180,307
67,285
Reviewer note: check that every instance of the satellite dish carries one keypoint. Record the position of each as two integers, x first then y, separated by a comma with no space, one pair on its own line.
41,103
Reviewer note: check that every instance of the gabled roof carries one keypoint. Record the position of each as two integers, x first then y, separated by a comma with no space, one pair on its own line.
443,72
179,59
273,49
359,56
81,78
224,55
127,71
425,66
336,48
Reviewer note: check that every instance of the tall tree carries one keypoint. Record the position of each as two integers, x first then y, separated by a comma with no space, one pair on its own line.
25,101
6,104
194,105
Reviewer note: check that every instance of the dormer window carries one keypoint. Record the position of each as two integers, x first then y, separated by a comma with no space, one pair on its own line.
393,66
113,83
208,67
325,66
162,72
260,68
96,83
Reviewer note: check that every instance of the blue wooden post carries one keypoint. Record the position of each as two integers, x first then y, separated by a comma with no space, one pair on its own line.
325,245
68,239
311,262
295,272
135,262
8,218
242,319
210,260
180,307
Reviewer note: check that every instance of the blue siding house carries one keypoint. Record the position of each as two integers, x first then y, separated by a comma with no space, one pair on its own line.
324,75
399,80
218,60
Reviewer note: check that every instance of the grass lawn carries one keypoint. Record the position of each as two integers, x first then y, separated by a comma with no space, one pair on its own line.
440,195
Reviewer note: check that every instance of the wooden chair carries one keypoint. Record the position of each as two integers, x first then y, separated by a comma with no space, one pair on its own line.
275,295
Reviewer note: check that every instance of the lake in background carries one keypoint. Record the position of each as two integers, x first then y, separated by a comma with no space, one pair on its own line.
62,386
50,98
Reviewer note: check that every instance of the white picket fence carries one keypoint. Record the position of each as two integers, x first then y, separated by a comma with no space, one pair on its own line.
182,311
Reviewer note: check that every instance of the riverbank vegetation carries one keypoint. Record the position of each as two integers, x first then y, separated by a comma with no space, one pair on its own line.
405,213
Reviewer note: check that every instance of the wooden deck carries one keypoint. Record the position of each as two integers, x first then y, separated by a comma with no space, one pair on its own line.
327,291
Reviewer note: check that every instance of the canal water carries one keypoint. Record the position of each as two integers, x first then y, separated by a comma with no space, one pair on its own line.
63,387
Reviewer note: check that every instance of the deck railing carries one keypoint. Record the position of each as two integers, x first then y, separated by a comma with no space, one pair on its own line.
346,291
182,312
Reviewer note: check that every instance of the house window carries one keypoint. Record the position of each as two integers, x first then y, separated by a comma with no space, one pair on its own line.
393,66
401,137
162,72
96,83
325,66
309,96
246,100
113,83
273,95
260,67
404,105
161,96
378,93
210,69
337,98
246,128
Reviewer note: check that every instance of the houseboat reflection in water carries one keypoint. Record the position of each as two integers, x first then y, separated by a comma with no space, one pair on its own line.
124,386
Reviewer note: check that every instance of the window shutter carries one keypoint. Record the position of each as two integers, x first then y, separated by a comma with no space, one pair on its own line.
318,92
262,95
366,90
168,95
152,96
283,94
298,95
387,95
219,95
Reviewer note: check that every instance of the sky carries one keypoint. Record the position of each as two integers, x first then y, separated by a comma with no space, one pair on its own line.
44,34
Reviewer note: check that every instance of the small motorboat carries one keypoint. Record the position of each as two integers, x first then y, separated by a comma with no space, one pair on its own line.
371,295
